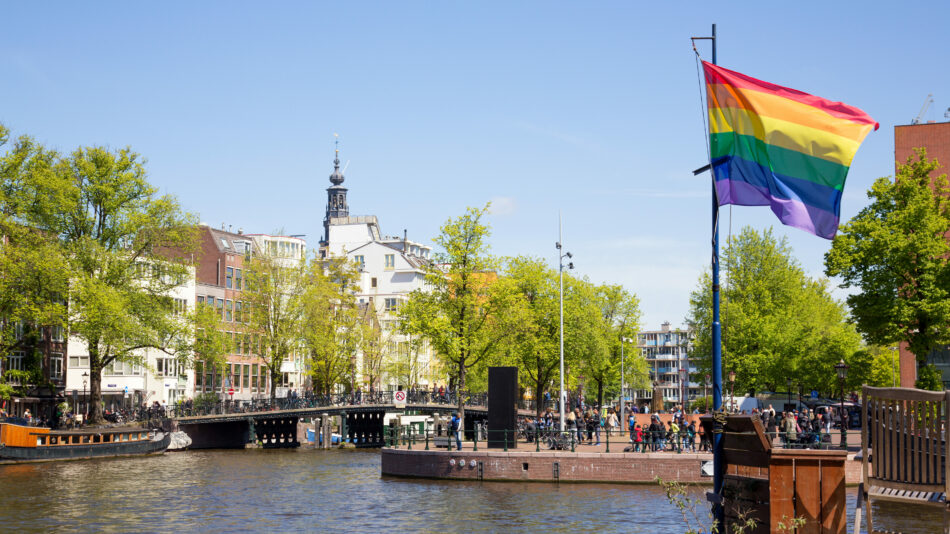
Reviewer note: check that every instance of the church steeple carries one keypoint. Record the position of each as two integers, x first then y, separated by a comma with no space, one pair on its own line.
336,194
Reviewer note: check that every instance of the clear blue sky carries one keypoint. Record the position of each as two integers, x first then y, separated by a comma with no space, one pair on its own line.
591,108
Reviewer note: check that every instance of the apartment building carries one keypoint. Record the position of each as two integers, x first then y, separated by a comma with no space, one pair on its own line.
666,352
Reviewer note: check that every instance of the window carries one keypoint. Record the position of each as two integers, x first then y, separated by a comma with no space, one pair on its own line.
247,375
390,261
228,277
238,315
18,329
390,304
201,299
237,279
373,282
229,313
254,376
179,307
56,366
360,261
121,369
78,361
221,308
247,344
166,367
224,243
56,333
210,301
237,342
15,361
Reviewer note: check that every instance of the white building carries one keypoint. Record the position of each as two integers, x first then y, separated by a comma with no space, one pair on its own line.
159,378
667,353
390,269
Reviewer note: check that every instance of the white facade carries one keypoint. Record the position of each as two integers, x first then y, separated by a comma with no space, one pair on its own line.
390,269
123,385
666,352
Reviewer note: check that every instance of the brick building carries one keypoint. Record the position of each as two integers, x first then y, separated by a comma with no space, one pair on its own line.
219,276
935,137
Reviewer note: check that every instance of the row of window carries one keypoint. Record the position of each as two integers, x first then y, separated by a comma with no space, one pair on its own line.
390,261
247,376
56,333
232,311
233,278
14,362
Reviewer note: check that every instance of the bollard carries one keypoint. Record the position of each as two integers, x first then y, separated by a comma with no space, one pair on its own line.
572,441
608,440
506,440
410,437
537,440
475,439
427,441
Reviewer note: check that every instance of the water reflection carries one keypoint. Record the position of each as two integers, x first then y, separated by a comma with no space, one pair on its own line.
256,490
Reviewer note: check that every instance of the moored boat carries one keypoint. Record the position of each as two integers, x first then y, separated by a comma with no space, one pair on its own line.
20,443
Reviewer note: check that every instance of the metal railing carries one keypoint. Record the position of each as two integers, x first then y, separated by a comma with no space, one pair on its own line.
550,438
450,399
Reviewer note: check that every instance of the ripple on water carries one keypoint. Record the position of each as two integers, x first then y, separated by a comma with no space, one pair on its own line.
256,490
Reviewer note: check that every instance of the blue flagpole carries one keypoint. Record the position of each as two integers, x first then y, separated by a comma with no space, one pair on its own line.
718,467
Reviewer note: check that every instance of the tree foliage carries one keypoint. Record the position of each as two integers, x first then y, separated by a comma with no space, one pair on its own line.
462,311
274,301
110,227
776,321
335,326
895,251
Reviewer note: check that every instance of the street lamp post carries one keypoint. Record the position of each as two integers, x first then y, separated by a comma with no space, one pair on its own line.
894,352
732,390
842,369
85,410
570,265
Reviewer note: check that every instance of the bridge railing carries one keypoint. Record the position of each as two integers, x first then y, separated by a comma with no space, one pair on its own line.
448,399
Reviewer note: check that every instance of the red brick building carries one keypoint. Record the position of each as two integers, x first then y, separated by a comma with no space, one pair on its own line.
219,274
935,137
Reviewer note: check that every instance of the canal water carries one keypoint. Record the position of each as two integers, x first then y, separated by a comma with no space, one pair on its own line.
319,491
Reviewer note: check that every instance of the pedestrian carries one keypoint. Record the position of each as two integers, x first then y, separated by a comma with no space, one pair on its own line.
638,445
691,436
598,422
612,423
456,426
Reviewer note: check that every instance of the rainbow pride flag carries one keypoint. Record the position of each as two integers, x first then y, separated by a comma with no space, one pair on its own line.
778,147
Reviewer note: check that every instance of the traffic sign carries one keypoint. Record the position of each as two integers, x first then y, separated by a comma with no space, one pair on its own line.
400,396
814,393
231,392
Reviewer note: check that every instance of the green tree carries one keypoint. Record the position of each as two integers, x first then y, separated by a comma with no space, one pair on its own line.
34,272
895,251
620,314
275,293
535,350
335,329
115,231
776,321
929,378
462,311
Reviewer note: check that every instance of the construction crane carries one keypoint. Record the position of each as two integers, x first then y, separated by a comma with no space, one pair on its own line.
920,116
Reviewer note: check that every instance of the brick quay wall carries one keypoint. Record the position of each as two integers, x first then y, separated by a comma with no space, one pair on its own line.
557,466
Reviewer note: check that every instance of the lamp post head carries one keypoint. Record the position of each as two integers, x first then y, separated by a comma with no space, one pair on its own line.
842,369
732,376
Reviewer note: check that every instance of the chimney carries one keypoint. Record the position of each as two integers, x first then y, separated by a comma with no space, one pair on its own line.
240,231
405,241
229,228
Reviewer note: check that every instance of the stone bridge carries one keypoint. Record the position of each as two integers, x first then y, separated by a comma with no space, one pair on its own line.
362,424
